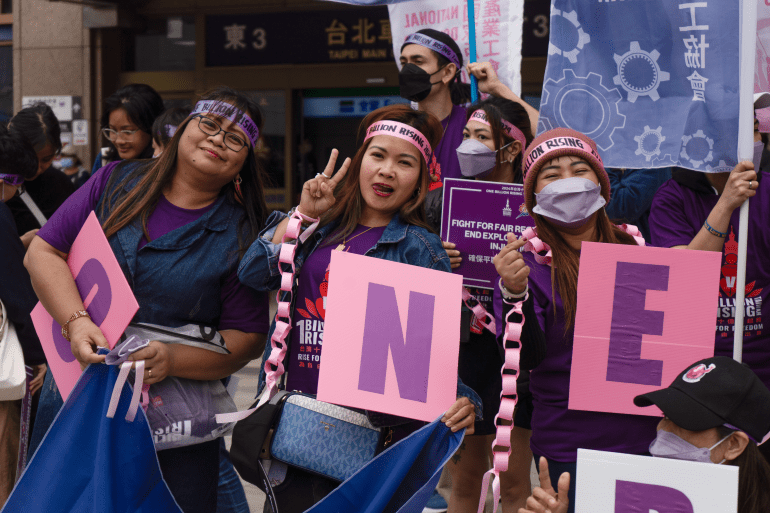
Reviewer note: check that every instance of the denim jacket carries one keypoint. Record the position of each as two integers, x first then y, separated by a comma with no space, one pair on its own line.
400,242
177,278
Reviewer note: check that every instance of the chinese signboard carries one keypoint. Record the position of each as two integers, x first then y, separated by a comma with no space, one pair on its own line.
355,35
347,106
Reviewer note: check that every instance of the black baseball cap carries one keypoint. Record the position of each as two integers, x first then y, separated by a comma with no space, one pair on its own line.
715,392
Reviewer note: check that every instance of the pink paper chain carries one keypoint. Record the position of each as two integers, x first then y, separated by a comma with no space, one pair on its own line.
274,367
479,311
536,246
501,446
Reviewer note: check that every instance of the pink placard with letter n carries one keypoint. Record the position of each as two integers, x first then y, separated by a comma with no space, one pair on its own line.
106,296
391,337
643,315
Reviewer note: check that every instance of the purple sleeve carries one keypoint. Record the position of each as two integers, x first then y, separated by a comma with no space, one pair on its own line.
243,308
669,224
62,228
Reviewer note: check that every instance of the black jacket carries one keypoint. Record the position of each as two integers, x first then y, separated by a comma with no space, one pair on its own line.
48,191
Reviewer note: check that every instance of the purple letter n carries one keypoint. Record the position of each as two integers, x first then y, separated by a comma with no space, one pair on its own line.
633,497
630,321
382,330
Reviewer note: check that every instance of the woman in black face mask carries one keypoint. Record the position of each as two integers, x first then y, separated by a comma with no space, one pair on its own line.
431,63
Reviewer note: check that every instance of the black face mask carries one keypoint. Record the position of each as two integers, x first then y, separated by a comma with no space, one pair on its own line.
414,82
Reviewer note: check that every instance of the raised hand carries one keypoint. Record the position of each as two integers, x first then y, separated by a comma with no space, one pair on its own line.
544,498
318,193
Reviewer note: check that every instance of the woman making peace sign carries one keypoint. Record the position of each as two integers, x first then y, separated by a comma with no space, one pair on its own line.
372,206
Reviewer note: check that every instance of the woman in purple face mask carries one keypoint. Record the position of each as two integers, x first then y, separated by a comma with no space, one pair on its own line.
565,190
716,411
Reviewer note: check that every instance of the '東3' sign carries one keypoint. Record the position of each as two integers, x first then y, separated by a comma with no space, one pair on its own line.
106,295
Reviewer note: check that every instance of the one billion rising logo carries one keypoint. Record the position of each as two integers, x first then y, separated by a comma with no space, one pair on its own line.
730,270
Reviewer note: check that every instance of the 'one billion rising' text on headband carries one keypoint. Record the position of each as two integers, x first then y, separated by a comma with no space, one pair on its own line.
433,44
508,127
547,149
402,131
232,113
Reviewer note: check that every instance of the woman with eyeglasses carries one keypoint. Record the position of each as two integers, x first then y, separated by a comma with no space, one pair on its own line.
127,123
178,226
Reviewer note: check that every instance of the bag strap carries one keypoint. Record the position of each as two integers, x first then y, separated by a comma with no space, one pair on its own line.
501,446
32,206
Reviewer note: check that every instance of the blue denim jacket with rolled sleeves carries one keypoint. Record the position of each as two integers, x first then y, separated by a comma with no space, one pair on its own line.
400,242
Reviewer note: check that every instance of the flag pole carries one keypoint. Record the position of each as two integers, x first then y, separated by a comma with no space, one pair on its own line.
745,152
472,47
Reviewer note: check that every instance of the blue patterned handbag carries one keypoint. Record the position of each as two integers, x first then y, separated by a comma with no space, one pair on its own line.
323,438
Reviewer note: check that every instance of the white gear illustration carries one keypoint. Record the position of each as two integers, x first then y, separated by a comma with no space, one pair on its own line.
644,140
666,161
636,55
722,167
583,38
557,108
687,138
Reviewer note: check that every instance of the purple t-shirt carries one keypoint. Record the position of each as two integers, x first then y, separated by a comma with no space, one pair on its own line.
677,215
446,151
243,308
557,431
310,310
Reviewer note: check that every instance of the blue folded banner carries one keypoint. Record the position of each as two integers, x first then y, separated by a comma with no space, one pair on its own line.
653,82
88,463
401,479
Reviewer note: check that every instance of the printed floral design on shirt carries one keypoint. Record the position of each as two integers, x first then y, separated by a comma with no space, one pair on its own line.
317,309
727,285
435,174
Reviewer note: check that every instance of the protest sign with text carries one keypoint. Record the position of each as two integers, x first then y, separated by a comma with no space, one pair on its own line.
391,337
476,217
608,482
106,295
643,315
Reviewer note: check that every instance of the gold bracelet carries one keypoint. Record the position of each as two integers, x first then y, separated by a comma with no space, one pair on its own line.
65,331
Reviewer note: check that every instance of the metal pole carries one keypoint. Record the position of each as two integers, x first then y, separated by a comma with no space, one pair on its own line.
745,152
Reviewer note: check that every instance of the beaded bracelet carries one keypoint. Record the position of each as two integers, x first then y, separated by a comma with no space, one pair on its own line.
713,231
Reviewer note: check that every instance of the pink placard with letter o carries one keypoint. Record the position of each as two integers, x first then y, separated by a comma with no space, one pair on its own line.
391,337
643,315
106,296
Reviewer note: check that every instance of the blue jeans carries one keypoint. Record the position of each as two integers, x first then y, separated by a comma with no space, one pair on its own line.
47,408
231,498
556,469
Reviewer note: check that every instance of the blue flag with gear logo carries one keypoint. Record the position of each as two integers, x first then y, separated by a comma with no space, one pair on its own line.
653,82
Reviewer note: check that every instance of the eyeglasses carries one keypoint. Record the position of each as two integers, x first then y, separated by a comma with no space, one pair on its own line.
112,135
210,127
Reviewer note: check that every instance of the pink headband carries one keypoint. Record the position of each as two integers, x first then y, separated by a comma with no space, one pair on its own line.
402,131
433,44
227,111
508,127
545,149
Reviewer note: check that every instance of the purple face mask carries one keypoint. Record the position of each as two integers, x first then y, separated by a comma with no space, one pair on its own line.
569,202
668,445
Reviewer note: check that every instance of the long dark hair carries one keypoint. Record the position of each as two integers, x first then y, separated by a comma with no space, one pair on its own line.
459,91
753,477
142,104
566,259
38,126
156,174
17,156
502,108
170,117
349,202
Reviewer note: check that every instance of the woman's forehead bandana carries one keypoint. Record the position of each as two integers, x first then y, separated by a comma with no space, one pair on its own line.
402,131
232,113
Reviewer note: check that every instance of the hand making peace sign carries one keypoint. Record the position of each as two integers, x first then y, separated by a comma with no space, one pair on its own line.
318,193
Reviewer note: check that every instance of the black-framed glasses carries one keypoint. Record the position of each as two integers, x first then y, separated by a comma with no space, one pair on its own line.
210,127
112,135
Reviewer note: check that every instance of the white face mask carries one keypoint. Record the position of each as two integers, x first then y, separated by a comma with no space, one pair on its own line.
669,445
476,160
569,202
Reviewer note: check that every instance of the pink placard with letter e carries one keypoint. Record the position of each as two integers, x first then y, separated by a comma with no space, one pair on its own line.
391,337
106,296
643,315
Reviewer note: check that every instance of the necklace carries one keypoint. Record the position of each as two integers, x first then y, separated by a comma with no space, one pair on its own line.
341,247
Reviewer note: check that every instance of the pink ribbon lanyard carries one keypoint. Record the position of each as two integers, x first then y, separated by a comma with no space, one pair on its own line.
125,369
274,367
501,446
479,311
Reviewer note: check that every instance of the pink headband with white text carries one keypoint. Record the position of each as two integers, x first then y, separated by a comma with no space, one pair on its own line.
402,131
232,113
435,45
508,127
545,150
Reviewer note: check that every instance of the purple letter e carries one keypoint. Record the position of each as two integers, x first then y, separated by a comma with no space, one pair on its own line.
382,330
630,321
633,497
